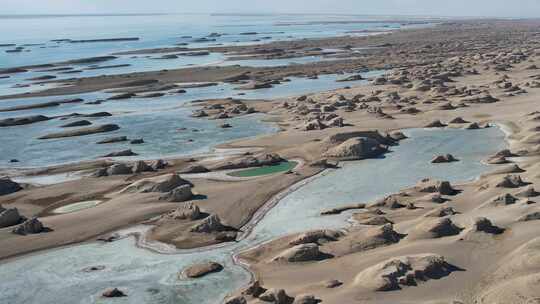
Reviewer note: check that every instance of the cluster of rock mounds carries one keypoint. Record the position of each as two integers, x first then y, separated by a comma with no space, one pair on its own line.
133,168
227,109
399,272
255,292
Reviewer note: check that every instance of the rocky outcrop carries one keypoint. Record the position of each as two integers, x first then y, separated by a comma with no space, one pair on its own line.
118,169
318,237
356,149
82,131
435,124
179,194
200,270
210,224
194,169
185,212
7,186
436,228
529,192
395,273
113,293
306,299
249,161
511,181
236,300
441,212
301,253
140,167
160,184
397,136
158,164
9,217
365,239
276,296
31,226
483,224
433,186
122,153
504,200
448,158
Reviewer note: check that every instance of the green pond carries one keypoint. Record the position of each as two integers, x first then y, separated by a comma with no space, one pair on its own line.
76,207
265,170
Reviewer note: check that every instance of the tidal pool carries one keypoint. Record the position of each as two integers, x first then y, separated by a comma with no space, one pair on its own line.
76,207
56,276
265,170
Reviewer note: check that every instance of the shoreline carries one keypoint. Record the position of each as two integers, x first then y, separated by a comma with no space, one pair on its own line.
416,94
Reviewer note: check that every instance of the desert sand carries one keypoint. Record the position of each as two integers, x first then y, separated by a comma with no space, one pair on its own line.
474,242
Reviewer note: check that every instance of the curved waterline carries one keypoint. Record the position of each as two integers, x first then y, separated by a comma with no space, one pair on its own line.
295,210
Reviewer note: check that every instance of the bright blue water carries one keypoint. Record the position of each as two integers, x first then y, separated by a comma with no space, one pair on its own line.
55,276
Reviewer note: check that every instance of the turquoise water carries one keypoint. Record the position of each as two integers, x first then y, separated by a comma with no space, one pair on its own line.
56,276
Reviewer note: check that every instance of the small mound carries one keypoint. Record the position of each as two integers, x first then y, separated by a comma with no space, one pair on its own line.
364,239
472,126
276,296
511,181
395,273
391,201
160,184
458,120
432,186
448,158
397,136
200,270
436,228
441,212
376,220
210,224
31,226
483,224
179,194
356,149
529,192
504,200
9,217
435,124
185,212
7,186
318,237
301,253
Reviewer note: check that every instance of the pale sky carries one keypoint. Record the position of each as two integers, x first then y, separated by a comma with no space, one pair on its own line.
499,8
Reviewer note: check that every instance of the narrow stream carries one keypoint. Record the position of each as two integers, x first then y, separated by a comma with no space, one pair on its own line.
57,276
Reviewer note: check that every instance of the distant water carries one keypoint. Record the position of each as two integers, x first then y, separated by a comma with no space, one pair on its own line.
155,31
163,122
